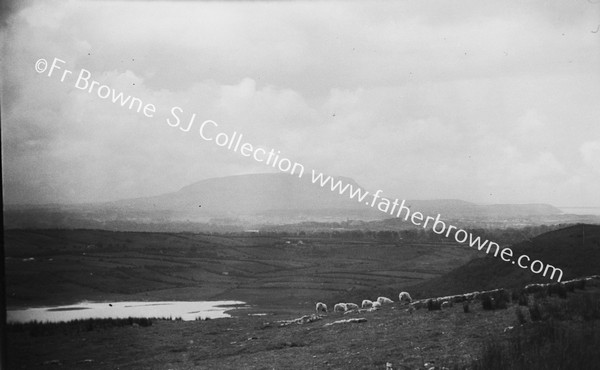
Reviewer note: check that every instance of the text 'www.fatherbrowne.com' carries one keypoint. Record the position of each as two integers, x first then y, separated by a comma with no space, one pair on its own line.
210,131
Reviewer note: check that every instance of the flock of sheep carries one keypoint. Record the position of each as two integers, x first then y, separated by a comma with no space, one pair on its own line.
448,301
365,305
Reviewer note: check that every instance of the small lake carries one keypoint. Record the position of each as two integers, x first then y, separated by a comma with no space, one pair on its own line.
187,311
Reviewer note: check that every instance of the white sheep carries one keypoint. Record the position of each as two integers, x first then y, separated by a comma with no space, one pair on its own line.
351,306
321,307
376,305
404,297
367,303
384,300
340,307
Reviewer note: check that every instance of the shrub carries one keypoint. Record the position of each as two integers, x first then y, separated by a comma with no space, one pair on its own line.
520,316
549,345
487,302
558,289
515,295
586,306
466,308
523,300
543,293
501,303
535,312
434,304
37,328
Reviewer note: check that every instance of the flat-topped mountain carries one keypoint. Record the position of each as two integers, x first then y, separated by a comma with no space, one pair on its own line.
253,199
246,195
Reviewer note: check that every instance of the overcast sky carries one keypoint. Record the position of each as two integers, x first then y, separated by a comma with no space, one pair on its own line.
489,102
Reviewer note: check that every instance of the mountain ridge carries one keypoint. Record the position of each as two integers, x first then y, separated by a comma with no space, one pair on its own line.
255,199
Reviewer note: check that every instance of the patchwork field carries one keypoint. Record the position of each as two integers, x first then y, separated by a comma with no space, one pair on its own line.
65,266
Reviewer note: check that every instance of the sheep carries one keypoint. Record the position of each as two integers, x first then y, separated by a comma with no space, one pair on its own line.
367,303
404,296
376,305
384,300
321,307
351,306
340,307
446,304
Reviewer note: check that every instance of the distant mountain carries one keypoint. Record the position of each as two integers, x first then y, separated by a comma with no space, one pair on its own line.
246,195
460,209
575,250
281,194
251,200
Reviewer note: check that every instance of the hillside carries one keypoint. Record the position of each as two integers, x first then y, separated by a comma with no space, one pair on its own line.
249,201
575,250
233,196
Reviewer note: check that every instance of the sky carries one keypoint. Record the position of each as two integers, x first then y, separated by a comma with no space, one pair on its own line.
484,101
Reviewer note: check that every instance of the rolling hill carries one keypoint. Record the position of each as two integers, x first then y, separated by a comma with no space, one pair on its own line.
575,250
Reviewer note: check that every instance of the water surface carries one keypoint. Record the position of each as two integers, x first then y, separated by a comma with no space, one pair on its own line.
100,310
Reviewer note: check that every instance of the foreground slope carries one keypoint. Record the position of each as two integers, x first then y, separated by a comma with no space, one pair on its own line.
575,250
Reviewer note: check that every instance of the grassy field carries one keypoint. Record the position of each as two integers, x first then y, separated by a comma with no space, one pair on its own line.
65,266
565,336
281,278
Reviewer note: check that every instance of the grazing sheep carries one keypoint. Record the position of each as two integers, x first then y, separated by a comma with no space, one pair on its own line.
404,297
321,307
384,300
351,306
376,305
366,304
446,304
340,307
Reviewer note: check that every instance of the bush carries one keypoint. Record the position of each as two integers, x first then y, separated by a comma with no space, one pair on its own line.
586,306
434,305
523,300
541,294
515,295
558,289
37,329
501,304
535,312
549,345
466,308
487,302
520,316
497,299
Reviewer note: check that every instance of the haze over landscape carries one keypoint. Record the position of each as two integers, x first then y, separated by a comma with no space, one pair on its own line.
228,184
400,97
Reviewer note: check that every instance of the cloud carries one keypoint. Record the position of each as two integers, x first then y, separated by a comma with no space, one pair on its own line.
422,100
590,152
